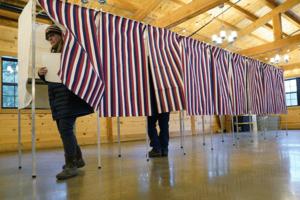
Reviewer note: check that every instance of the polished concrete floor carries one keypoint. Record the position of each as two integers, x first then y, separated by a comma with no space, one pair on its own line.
265,169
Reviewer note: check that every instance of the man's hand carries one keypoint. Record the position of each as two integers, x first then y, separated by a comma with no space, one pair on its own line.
42,71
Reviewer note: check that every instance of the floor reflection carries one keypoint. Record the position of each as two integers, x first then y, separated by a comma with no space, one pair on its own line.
268,169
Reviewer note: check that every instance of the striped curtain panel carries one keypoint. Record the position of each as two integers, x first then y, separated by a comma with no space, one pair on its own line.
164,53
221,64
238,85
269,88
255,87
196,64
125,69
80,68
280,103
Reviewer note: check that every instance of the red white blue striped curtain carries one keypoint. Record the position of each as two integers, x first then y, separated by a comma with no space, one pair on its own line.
80,68
255,87
105,55
221,62
269,88
238,85
196,64
164,53
279,92
123,53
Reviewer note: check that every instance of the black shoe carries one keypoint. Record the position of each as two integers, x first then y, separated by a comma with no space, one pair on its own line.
164,152
154,153
67,172
70,169
79,163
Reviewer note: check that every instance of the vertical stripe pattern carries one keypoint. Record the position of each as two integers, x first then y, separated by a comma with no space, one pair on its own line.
269,88
279,92
196,59
80,68
221,62
164,53
238,85
255,87
125,67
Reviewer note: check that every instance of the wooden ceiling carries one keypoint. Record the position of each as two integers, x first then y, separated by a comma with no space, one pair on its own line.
265,27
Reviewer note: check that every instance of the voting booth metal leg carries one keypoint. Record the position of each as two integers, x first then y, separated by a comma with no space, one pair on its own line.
251,129
98,141
264,131
203,132
237,127
277,131
222,128
119,137
19,141
267,124
233,135
181,129
211,134
147,141
33,136
286,126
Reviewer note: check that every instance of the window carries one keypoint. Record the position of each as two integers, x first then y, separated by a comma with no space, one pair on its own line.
9,82
291,92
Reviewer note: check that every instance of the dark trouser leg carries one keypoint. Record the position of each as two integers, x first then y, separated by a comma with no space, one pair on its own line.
152,132
65,127
163,122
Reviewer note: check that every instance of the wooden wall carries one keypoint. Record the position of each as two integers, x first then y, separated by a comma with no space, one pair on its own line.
47,136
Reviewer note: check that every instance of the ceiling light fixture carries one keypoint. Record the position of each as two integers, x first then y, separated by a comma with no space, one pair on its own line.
224,35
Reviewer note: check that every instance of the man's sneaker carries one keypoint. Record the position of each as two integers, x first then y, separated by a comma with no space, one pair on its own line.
154,153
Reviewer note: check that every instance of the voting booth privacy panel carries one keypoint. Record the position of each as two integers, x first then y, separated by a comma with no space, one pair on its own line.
105,62
43,59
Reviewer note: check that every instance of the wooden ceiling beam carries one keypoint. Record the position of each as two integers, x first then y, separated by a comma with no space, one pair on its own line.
264,19
126,5
284,50
187,12
178,2
272,46
291,16
142,13
251,16
277,27
291,66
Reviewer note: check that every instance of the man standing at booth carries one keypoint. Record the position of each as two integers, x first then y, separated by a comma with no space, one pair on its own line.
159,143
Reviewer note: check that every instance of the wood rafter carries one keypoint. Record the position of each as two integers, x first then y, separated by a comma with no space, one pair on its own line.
142,13
291,16
179,2
277,27
250,16
127,5
285,50
272,46
291,66
264,19
187,12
